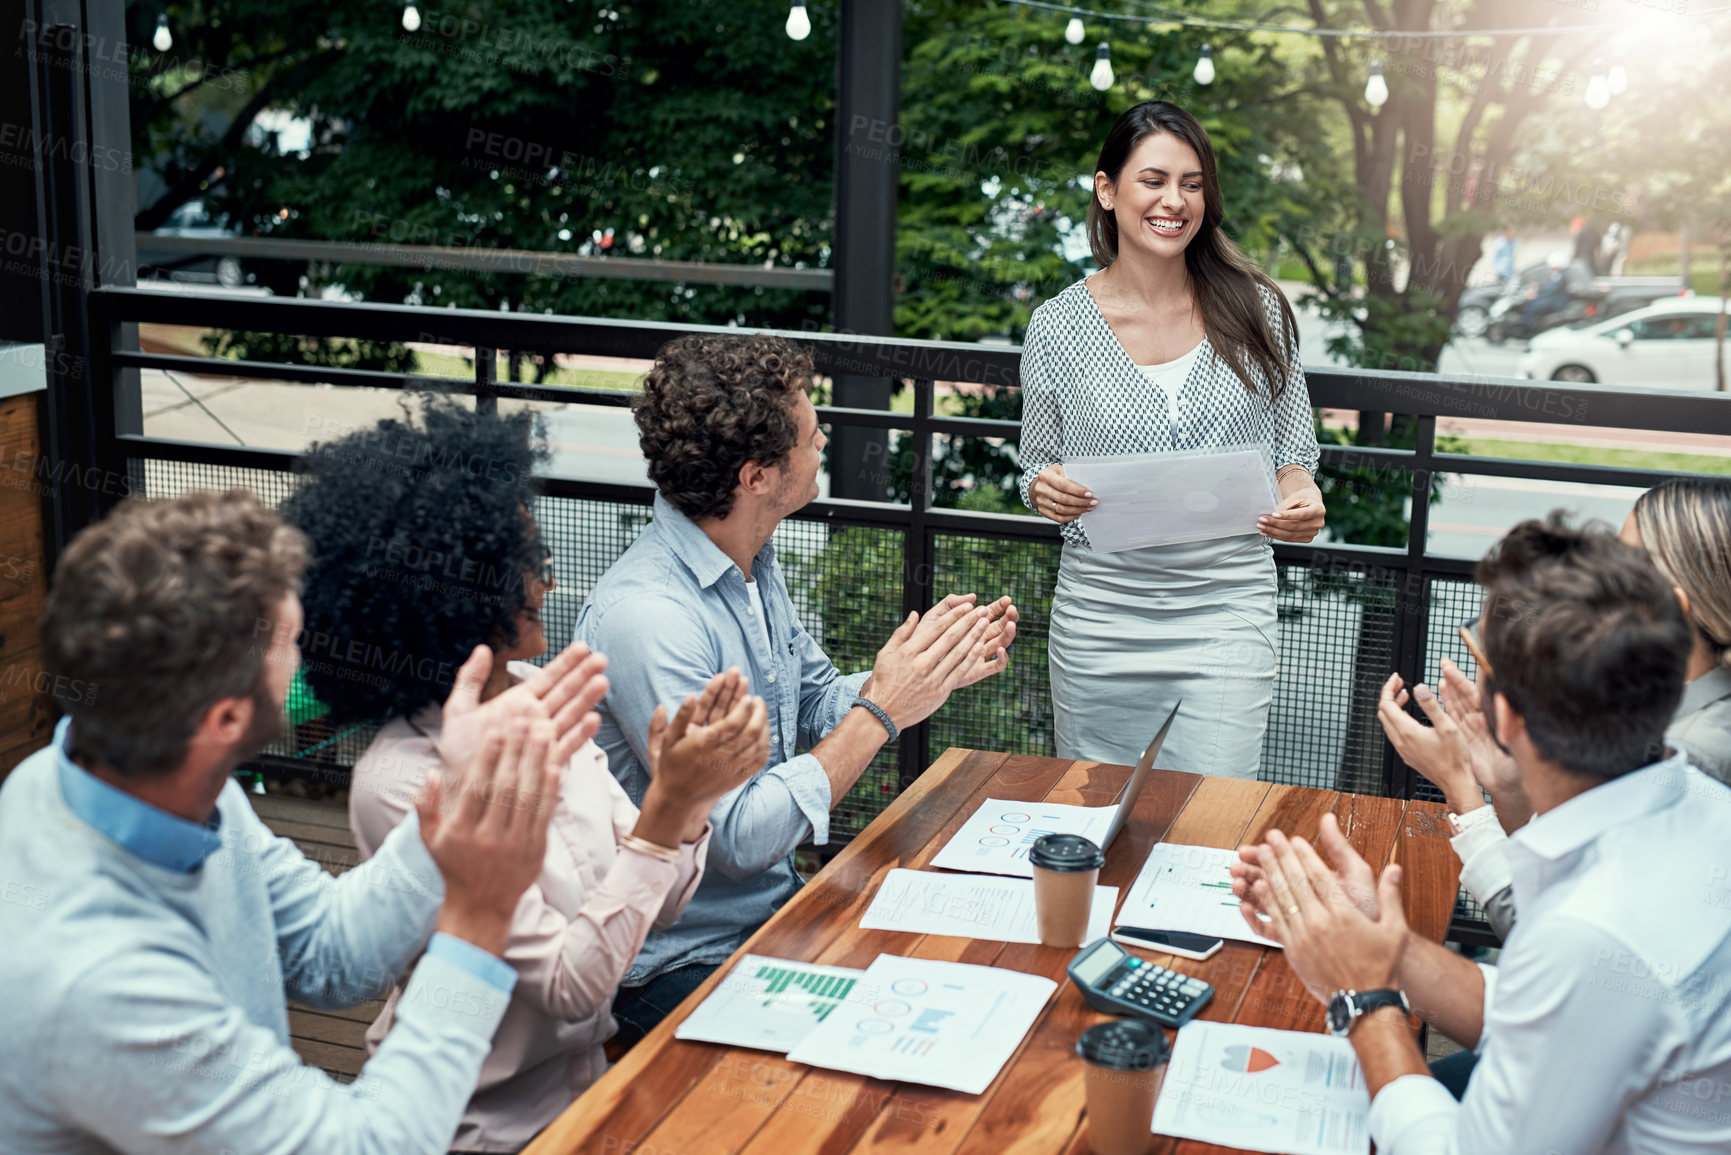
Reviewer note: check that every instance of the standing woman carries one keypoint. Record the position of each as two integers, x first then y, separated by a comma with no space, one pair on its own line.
1178,343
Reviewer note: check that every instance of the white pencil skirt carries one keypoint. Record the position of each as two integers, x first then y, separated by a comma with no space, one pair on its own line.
1134,632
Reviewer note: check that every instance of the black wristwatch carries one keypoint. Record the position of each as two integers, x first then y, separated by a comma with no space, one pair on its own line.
1347,1007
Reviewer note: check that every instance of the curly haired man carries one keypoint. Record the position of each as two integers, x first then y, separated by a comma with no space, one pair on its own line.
734,446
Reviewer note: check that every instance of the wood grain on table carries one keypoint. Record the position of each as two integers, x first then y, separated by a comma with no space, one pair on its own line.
672,1097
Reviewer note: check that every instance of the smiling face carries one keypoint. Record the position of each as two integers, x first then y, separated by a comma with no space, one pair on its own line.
1158,201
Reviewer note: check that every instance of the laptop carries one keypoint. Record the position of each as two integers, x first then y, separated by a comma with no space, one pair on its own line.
1144,771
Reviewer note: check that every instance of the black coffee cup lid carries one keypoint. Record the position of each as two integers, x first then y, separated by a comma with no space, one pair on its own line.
1123,1045
1066,853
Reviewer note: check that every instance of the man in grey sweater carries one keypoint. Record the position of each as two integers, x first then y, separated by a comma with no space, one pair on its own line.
154,927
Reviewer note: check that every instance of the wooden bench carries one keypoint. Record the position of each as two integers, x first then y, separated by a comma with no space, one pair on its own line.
333,1040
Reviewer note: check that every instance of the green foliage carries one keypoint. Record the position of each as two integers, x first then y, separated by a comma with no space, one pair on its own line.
855,589
693,131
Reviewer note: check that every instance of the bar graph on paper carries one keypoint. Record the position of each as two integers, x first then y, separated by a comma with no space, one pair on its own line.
824,991
769,1004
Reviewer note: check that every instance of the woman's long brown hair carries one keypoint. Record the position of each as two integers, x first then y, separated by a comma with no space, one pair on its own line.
1224,280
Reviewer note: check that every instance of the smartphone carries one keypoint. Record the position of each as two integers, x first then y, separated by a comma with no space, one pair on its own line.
1196,946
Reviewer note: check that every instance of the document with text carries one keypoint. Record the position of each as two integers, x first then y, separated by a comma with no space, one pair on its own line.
1167,498
943,1024
1259,1089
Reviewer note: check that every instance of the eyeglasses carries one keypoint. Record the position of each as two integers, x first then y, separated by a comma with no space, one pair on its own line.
1468,635
545,573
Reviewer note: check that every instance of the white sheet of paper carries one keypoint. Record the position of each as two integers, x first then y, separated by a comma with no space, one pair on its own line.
943,1024
1264,1090
971,906
1187,888
995,839
771,1003
1166,498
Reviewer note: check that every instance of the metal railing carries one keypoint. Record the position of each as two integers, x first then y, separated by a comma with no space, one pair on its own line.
1388,612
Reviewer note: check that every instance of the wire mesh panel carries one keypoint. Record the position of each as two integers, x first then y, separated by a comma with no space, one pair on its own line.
323,750
1337,633
586,537
846,585
1011,711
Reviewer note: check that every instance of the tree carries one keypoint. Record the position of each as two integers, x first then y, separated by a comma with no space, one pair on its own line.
695,131
1000,130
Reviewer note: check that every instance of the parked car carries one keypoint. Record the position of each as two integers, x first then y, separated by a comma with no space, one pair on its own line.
191,220
1497,312
1666,345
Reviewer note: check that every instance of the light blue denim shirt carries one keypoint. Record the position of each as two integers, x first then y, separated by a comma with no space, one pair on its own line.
151,963
670,614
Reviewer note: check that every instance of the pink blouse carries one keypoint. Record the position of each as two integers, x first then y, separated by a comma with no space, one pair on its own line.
574,933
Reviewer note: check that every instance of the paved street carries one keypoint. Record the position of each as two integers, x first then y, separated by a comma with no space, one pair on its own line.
600,442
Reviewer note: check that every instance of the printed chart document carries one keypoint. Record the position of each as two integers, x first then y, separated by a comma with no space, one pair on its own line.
943,1024
1165,498
970,905
997,837
1264,1090
771,1003
1188,888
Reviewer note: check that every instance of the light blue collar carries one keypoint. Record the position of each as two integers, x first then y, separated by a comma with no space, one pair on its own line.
693,547
154,835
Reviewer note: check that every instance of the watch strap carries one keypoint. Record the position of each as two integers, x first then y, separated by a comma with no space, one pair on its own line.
881,714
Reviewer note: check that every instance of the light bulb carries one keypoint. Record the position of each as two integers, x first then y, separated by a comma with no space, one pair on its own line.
1598,88
163,39
1101,77
1205,66
411,18
1376,88
1618,80
798,23
1073,31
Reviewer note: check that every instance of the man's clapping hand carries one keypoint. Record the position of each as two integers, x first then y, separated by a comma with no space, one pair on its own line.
930,656
485,827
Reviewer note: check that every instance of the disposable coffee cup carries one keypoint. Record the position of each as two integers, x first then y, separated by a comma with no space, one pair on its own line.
1124,1065
1065,868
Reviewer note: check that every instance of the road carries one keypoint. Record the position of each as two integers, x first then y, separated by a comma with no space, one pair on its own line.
599,443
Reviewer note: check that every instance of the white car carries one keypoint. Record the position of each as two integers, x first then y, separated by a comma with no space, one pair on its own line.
1665,345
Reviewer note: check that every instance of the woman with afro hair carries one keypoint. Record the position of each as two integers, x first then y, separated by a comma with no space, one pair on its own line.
426,555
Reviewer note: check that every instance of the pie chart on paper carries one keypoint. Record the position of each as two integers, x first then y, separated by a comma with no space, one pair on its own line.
1247,1060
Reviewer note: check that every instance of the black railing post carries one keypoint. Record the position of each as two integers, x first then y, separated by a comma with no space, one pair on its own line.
486,377
1412,599
918,556
75,412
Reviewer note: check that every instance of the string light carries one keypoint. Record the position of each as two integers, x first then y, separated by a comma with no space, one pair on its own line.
1599,87
798,23
1073,31
162,40
1204,73
1101,78
411,17
1376,88
1617,80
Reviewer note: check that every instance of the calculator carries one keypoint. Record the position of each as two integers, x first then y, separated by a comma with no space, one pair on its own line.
1115,981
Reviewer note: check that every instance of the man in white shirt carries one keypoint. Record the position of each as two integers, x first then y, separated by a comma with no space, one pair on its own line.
1607,1026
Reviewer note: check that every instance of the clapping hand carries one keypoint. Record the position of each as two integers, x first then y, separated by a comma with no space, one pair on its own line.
564,692
1342,929
486,829
716,741
1000,632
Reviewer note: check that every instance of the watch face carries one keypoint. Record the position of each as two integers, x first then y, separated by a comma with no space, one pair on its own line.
1339,1013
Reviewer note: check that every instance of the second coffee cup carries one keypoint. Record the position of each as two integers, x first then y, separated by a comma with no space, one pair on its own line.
1065,869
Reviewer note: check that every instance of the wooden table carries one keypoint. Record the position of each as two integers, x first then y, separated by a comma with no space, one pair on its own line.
668,1097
